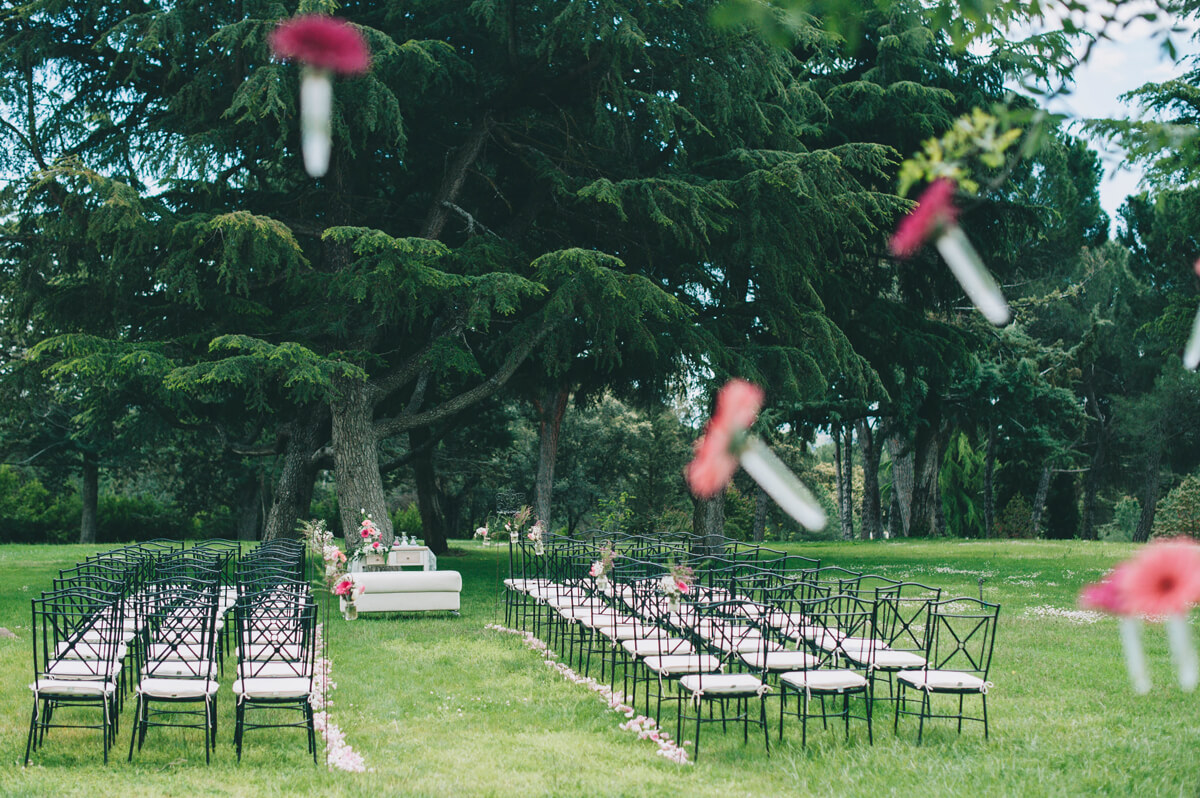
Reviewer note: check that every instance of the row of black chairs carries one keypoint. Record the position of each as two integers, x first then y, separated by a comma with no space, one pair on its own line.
755,624
153,619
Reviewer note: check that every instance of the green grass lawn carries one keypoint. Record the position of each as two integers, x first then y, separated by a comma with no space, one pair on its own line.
440,706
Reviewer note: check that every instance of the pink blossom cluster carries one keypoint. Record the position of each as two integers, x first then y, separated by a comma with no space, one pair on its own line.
338,753
715,461
645,728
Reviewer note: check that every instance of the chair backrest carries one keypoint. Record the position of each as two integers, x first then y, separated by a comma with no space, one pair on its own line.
960,635
833,625
181,627
276,635
83,625
902,614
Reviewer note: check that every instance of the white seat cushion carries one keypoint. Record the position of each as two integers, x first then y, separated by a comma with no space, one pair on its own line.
746,645
174,668
87,650
266,651
777,661
944,681
890,660
725,684
272,688
649,647
79,669
275,670
182,651
832,681
683,663
177,688
72,687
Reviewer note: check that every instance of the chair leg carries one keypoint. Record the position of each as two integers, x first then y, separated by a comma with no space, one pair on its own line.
960,712
926,708
137,711
32,727
985,719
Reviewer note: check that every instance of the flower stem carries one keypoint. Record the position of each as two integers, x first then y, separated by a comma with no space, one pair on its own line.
1135,658
1179,638
1191,353
973,276
316,129
781,484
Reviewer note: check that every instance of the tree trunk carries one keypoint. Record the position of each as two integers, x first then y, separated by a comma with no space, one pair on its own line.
550,416
1149,497
429,499
89,519
1039,502
903,484
761,505
293,490
989,482
847,480
872,519
839,481
708,524
356,461
925,495
895,527
1091,485
249,500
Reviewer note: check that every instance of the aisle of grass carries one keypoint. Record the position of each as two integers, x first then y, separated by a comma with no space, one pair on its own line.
440,706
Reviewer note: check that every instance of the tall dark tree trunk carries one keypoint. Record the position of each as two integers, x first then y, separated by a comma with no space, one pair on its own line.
839,480
708,524
429,499
249,502
294,488
989,484
1091,485
872,519
895,518
1039,502
761,505
551,409
89,519
847,480
1150,486
926,496
356,460
903,485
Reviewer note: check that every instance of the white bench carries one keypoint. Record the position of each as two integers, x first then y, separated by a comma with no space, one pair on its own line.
408,591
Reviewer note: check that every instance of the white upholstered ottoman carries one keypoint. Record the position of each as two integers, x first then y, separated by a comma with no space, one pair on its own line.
408,591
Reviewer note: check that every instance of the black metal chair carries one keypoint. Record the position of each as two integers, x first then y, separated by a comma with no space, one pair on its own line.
960,634
276,650
76,635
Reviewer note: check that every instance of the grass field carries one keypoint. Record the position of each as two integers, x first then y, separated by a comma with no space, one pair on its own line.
440,706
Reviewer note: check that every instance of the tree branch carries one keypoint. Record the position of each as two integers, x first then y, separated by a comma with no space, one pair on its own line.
386,427
452,183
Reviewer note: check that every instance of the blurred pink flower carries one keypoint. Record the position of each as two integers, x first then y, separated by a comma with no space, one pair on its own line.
1163,579
1104,595
323,42
934,209
712,467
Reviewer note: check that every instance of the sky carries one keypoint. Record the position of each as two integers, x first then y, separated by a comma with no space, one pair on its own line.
1132,58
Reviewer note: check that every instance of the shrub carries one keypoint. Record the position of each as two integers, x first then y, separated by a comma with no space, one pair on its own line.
1179,513
407,521
1016,519
1126,513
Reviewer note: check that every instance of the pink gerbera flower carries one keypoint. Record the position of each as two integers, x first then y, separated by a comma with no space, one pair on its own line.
322,42
935,209
1105,595
1163,579
714,463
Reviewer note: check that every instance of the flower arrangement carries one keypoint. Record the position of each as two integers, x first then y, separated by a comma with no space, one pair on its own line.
483,532
515,525
320,541
725,443
677,582
1162,581
602,567
535,537
324,45
370,538
348,591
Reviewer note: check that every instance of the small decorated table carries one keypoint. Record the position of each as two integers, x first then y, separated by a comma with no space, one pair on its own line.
398,557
